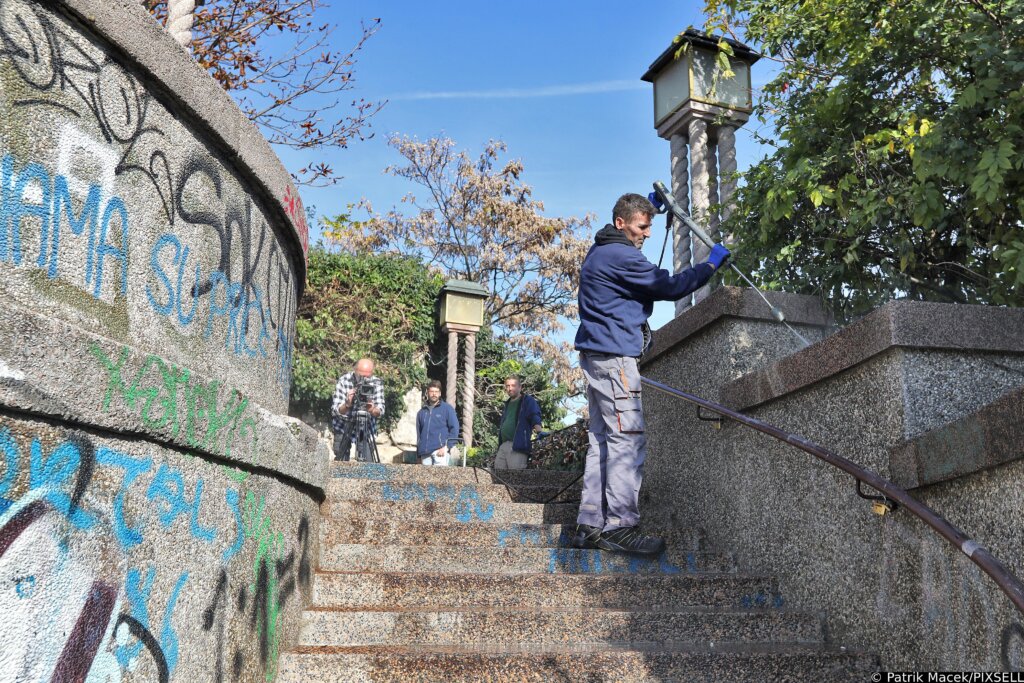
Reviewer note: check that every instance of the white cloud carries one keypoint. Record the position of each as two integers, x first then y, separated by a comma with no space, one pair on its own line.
521,93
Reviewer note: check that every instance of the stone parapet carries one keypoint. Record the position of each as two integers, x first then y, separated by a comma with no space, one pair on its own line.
159,510
802,312
172,73
924,394
898,324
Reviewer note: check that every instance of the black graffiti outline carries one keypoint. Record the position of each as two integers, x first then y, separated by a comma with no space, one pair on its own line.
210,615
66,57
236,228
148,640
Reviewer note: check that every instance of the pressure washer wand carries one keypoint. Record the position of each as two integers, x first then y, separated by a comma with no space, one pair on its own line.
664,201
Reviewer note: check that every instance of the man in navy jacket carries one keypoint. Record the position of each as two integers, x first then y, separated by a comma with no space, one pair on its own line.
618,288
519,418
437,428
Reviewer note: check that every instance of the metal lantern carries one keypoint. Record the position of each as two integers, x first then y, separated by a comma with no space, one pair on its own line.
462,313
689,83
462,306
698,109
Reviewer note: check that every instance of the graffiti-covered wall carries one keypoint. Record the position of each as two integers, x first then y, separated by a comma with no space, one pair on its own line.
158,510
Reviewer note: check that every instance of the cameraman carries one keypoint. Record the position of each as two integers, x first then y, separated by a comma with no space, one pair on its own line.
345,395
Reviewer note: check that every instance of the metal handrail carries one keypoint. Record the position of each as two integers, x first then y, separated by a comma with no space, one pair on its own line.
1004,578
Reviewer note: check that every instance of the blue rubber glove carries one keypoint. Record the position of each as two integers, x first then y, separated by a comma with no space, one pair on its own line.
718,256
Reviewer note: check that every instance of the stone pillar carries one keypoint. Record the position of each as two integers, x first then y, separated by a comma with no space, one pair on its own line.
469,390
699,181
727,171
180,17
682,254
713,221
453,367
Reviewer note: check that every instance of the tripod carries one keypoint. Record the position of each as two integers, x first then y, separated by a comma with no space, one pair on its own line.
361,430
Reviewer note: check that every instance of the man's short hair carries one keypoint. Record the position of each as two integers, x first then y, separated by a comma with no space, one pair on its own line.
515,377
632,203
434,384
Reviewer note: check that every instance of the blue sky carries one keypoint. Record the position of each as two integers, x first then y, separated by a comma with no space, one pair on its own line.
559,83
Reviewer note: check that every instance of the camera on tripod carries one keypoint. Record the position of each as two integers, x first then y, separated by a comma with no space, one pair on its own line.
364,391
360,428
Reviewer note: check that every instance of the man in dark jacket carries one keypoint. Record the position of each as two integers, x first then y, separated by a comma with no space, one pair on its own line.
618,288
519,418
437,428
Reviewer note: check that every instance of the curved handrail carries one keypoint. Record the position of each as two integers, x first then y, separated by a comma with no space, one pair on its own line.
1004,578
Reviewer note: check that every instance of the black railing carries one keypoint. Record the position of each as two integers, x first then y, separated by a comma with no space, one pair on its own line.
891,493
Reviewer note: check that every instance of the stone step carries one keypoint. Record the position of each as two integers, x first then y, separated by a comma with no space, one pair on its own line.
468,507
594,663
400,590
456,559
517,478
383,532
449,475
422,491
340,627
545,494
391,472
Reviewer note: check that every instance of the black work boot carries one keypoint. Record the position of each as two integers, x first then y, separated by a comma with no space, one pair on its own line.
628,539
586,536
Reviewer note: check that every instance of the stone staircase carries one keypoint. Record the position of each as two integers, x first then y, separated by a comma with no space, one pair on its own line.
435,574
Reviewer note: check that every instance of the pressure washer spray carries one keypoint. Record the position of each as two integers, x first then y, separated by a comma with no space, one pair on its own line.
664,202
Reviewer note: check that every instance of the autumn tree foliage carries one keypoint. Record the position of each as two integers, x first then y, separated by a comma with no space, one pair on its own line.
475,219
279,60
898,168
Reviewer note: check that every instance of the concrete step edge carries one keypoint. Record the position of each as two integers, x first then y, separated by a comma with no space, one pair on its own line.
527,610
519,576
587,648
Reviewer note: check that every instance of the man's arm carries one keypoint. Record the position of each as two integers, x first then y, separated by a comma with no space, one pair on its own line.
534,416
646,280
339,405
378,397
453,427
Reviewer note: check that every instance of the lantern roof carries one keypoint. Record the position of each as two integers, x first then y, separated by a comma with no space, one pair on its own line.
698,39
465,287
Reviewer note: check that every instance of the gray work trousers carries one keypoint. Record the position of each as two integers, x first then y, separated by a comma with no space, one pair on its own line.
618,446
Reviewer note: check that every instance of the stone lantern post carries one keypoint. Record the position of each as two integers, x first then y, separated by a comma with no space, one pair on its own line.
462,312
697,109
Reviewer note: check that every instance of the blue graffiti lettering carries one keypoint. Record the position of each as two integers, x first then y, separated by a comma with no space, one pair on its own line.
231,497
12,455
25,587
133,467
50,474
89,215
167,491
54,203
469,506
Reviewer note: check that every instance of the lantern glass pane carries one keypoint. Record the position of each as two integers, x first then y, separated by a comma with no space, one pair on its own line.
731,92
463,310
703,76
735,92
671,88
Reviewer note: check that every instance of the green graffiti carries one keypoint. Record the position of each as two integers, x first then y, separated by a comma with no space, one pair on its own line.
234,474
167,397
266,586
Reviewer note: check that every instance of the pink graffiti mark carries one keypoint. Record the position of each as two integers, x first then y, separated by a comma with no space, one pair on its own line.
21,521
87,635
297,213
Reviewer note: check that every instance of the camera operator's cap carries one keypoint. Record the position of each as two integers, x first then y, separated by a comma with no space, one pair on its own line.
462,306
